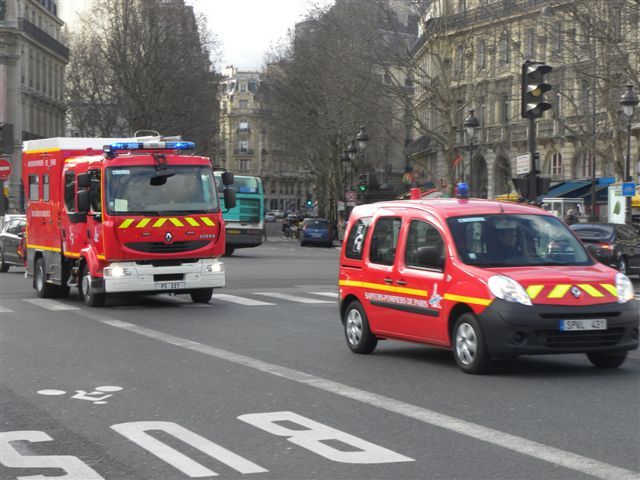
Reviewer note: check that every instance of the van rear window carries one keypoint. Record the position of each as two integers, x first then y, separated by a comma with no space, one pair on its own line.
355,240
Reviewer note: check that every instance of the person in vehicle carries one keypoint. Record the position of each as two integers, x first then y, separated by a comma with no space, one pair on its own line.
506,243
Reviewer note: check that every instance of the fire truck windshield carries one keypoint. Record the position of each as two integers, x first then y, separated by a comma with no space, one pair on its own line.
144,190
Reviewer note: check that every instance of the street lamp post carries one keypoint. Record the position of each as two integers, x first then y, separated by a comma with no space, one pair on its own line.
470,124
628,101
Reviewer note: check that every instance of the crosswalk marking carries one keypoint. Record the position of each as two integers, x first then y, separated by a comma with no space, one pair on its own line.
239,300
326,294
50,304
291,298
4,309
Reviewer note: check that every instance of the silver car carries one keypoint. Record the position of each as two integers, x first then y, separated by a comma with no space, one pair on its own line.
10,237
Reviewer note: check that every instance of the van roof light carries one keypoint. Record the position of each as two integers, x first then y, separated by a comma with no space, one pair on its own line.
462,190
112,148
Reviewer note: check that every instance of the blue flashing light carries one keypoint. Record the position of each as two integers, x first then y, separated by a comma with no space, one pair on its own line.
462,190
180,145
114,147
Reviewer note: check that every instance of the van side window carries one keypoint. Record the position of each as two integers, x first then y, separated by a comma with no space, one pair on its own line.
70,191
45,188
421,234
355,241
384,240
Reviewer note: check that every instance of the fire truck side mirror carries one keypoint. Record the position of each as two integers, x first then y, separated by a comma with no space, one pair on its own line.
227,178
82,201
84,180
229,198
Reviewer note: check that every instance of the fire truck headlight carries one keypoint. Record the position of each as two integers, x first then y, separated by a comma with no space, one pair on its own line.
117,272
216,267
508,289
624,287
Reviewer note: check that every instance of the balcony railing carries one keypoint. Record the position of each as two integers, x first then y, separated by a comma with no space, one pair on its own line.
248,151
43,38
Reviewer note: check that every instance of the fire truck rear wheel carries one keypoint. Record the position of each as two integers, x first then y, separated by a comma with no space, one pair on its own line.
43,289
87,293
202,295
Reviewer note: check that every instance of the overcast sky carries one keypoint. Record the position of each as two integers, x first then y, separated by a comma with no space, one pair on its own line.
245,29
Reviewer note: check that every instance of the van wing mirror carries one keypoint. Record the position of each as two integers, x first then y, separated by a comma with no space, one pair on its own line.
229,198
431,257
227,178
83,180
82,201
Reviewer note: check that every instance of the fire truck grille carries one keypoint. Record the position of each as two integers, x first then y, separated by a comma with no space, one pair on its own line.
159,247
583,339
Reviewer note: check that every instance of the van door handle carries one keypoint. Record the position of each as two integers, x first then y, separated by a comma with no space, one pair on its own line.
401,282
388,280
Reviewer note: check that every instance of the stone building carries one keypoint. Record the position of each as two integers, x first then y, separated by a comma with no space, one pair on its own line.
246,149
32,62
472,51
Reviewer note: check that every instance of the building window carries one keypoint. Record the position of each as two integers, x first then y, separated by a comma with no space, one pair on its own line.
481,53
556,38
243,87
584,166
244,146
460,58
529,43
555,166
244,103
243,126
504,109
504,50
243,164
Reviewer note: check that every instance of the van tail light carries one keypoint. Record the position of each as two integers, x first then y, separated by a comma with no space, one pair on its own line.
606,246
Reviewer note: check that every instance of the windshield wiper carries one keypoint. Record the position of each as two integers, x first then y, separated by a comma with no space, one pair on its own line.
182,212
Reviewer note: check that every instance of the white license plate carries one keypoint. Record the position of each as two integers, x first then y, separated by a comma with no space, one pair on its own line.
577,325
169,285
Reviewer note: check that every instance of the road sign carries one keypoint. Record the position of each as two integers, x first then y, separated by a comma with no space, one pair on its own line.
5,169
351,196
523,164
628,189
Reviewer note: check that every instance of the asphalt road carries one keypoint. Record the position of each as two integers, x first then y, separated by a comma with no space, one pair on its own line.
260,384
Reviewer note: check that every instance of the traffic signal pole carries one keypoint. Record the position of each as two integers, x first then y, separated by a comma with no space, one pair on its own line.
533,169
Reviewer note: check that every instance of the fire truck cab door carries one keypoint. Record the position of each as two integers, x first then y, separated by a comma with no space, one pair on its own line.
73,228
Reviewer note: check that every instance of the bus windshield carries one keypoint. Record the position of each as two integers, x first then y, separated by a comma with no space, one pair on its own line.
145,190
516,240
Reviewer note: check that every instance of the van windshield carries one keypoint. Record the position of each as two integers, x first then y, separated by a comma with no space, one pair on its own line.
516,241
145,191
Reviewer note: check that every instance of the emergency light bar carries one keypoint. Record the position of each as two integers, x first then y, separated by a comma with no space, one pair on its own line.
114,147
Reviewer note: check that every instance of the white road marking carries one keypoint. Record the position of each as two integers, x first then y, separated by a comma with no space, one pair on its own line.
49,304
326,294
292,298
4,309
520,445
239,300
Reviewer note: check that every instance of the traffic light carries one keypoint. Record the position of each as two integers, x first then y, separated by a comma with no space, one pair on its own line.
533,89
363,182
522,186
309,200
532,190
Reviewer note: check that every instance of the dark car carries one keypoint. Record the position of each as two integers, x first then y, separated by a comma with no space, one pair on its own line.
10,239
613,244
316,230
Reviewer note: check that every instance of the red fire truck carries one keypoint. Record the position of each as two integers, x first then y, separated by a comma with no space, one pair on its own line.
113,215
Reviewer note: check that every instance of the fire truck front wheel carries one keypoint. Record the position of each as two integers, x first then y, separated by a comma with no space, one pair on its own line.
43,289
202,295
87,293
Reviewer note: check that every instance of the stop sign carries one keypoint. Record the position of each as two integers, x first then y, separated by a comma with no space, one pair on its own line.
5,169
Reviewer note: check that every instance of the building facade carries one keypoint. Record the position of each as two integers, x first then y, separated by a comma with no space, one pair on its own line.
33,57
245,146
471,53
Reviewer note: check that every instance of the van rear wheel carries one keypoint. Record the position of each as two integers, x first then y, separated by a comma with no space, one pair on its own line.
356,329
607,360
469,348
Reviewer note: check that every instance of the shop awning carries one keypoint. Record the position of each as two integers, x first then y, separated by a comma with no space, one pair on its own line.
566,189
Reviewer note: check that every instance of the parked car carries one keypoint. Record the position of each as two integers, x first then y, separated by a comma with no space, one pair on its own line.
269,217
278,213
11,237
316,230
613,244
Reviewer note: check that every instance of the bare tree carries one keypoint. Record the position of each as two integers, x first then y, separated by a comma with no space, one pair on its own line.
143,64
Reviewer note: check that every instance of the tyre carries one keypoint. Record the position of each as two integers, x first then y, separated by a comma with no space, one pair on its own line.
356,329
228,251
87,292
607,360
43,289
4,267
202,295
302,244
622,265
469,348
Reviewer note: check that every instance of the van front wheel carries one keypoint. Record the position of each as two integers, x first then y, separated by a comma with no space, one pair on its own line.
469,348
356,329
88,293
